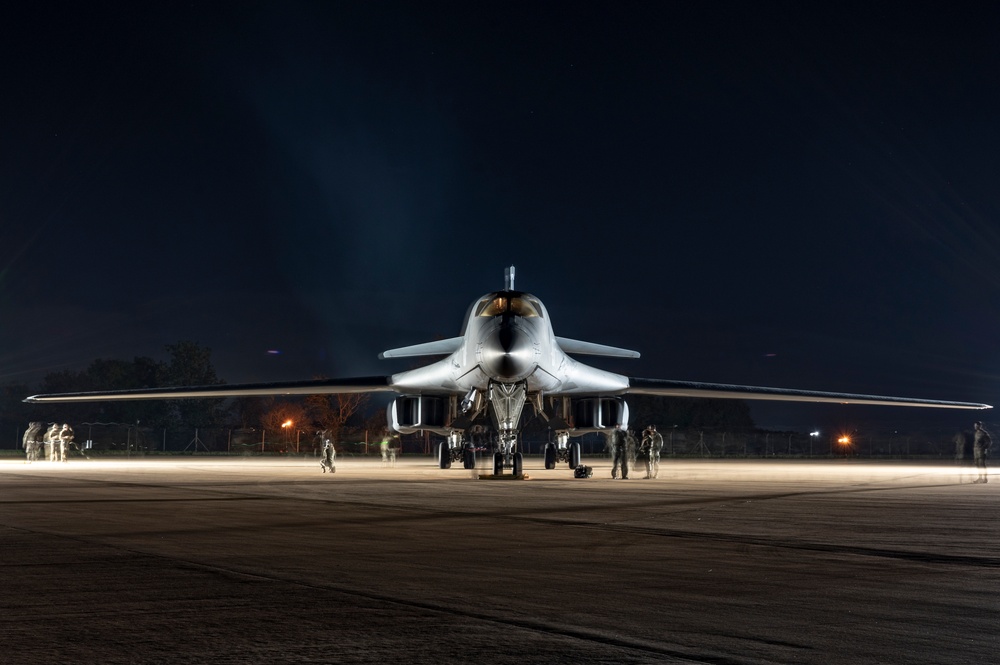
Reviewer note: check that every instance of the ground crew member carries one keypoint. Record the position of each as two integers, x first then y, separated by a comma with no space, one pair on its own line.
63,439
981,443
329,455
31,440
960,440
621,452
384,445
652,444
49,440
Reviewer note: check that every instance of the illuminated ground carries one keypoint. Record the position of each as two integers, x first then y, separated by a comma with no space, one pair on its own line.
269,560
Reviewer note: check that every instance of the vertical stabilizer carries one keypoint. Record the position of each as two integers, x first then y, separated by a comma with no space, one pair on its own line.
508,279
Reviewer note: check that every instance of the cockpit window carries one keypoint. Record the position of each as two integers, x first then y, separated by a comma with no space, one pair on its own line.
492,306
523,307
517,304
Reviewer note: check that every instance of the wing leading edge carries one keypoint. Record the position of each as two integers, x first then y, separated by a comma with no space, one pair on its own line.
367,384
668,388
591,349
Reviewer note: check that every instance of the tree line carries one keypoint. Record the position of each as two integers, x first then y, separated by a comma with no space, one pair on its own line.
188,364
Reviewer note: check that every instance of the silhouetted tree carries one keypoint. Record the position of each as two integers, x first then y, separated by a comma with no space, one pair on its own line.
103,375
332,412
664,412
14,414
191,365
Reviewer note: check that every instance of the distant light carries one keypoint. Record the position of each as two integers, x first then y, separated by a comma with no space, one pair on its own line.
287,423
844,440
274,352
816,433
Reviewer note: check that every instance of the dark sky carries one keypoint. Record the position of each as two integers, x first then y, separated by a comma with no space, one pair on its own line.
792,194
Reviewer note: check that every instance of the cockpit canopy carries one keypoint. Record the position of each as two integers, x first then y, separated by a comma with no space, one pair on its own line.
510,302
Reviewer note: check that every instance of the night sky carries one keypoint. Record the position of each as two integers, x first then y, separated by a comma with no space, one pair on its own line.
801,195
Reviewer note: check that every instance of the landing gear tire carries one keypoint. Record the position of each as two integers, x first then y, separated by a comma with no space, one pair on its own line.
518,464
550,456
497,464
574,455
444,455
469,458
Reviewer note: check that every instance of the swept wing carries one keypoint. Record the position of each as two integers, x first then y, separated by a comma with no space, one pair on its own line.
313,387
591,349
668,388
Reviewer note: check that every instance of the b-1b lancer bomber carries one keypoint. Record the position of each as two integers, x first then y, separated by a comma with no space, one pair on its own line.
506,357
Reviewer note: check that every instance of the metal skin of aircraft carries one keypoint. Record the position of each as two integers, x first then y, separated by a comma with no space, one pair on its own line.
506,357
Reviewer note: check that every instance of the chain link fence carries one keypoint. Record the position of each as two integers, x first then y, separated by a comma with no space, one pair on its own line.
118,439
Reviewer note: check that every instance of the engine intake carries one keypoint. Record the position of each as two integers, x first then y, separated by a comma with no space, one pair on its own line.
412,413
599,413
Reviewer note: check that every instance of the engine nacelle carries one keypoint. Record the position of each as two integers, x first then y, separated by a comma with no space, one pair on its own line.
412,413
599,413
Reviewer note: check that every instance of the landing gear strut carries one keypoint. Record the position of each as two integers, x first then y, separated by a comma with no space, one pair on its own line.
508,401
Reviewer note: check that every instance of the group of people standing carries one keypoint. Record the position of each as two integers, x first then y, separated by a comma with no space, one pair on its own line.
625,450
52,445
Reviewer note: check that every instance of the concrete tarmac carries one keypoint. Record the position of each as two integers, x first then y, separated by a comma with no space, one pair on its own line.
207,560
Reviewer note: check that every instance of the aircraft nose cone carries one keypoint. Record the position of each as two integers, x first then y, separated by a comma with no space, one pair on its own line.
507,353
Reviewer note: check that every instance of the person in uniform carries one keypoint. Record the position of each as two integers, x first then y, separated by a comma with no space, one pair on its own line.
960,440
642,451
981,442
31,440
329,455
384,446
632,445
393,447
64,438
49,440
621,452
652,444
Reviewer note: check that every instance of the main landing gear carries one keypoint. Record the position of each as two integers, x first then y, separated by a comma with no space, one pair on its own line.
562,451
455,449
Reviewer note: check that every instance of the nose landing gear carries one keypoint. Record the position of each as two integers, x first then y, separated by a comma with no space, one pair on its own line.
507,401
